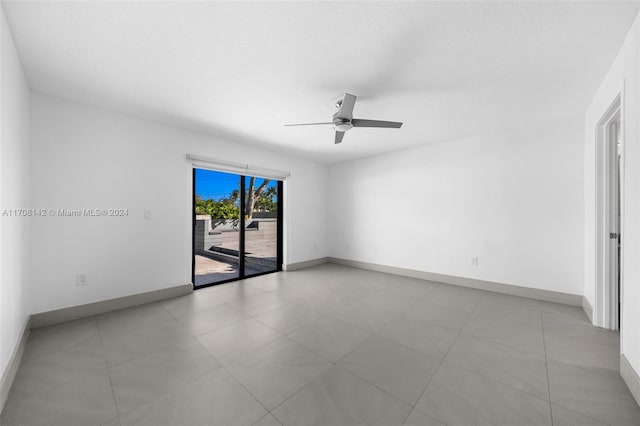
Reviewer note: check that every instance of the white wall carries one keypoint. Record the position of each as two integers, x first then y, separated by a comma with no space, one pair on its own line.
14,181
513,199
624,73
86,157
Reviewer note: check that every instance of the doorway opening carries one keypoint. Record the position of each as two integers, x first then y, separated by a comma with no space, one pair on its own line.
609,151
237,227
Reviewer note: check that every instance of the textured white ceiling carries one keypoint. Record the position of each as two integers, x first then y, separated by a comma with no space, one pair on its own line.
240,70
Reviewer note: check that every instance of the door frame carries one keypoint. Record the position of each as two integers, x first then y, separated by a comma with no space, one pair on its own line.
241,242
609,263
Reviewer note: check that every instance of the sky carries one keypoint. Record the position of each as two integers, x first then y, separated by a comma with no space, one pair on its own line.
216,185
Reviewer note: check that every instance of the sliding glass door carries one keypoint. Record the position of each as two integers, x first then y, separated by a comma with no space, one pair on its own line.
261,226
216,233
237,226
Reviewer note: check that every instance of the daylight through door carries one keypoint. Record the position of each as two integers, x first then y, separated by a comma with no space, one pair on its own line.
237,226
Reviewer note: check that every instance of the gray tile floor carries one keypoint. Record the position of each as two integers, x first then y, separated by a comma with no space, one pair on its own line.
328,345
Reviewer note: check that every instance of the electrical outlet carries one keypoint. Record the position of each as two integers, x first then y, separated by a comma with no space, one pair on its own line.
474,261
147,214
81,279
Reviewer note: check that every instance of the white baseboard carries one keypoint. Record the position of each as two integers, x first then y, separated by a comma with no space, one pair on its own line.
12,367
305,264
588,309
533,293
82,311
630,377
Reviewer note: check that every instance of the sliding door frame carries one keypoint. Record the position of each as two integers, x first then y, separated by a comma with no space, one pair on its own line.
241,245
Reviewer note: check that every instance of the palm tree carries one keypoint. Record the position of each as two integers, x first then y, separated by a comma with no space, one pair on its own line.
253,196
271,192
234,196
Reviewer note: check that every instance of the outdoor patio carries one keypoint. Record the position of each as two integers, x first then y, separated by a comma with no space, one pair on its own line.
219,262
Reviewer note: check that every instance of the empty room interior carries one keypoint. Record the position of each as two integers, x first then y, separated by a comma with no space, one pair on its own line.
320,213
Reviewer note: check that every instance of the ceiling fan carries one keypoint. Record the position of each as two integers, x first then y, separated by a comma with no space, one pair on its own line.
343,118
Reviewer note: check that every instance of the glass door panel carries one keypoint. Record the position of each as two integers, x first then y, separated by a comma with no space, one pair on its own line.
261,215
217,227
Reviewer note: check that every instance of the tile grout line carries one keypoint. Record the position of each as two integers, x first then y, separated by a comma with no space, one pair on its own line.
171,314
355,347
580,367
196,335
106,363
493,379
220,365
293,394
177,388
334,364
549,381
383,390
486,339
496,381
356,375
250,393
546,366
336,319
603,423
440,365
373,384
142,356
546,358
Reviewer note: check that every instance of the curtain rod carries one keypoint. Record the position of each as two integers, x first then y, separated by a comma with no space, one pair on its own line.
237,167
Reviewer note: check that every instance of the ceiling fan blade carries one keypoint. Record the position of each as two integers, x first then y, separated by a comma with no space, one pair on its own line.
346,107
357,122
339,136
308,124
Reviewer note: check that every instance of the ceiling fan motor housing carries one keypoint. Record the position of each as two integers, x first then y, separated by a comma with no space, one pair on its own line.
341,124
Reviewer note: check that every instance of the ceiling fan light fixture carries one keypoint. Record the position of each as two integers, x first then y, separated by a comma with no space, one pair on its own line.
343,126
